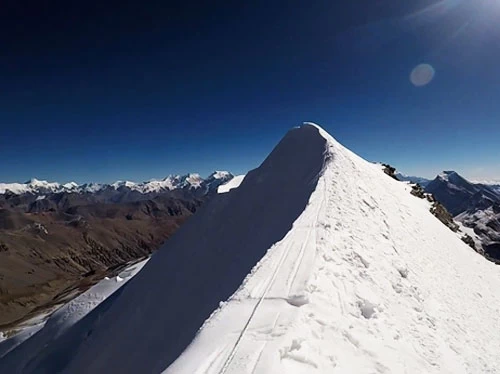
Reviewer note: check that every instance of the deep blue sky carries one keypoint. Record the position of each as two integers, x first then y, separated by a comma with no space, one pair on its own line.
136,90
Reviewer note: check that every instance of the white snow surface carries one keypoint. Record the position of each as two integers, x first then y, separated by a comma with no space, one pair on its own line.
41,331
218,174
321,264
31,186
16,188
233,183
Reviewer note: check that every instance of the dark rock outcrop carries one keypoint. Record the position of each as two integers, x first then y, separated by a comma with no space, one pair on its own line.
444,216
390,171
467,239
418,191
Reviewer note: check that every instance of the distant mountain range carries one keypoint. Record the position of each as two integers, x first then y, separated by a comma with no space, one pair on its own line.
57,238
475,205
408,178
170,183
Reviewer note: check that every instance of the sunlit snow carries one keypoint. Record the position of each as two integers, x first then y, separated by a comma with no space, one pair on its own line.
317,263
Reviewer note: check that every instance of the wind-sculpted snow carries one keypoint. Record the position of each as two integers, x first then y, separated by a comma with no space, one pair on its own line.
323,264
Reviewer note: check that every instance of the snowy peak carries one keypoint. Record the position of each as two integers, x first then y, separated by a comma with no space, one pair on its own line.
70,186
445,175
127,184
457,194
188,181
210,256
318,262
220,175
217,179
31,186
191,181
456,180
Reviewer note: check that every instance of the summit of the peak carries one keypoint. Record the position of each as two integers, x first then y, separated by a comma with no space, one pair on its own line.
218,174
31,180
305,124
308,126
447,173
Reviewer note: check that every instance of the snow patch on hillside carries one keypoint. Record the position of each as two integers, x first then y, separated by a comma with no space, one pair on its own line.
233,183
170,183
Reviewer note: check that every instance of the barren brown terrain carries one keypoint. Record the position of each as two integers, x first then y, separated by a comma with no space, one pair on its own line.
50,252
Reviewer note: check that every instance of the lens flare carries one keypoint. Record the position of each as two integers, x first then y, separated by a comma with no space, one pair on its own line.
422,75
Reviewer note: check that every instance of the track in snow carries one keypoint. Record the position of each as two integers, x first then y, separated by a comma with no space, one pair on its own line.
293,295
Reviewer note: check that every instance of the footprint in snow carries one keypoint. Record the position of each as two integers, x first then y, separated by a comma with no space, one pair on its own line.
297,300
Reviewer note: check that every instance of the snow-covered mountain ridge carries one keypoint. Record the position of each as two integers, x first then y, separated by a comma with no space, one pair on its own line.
317,263
170,183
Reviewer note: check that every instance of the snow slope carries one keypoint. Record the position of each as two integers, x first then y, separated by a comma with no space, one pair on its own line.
324,264
233,183
366,281
40,331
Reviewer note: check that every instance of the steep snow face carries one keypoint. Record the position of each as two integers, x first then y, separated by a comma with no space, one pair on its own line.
323,264
366,281
233,183
38,333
